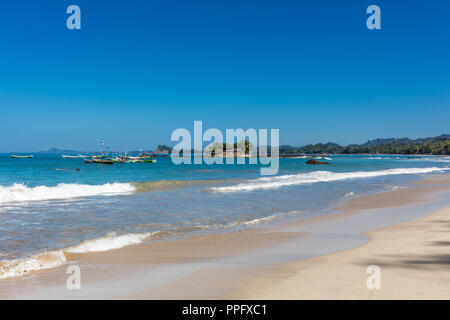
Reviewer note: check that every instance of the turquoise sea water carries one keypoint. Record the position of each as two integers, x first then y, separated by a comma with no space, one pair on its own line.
101,207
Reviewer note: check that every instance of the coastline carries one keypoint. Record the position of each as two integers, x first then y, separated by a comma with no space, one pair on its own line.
230,264
413,258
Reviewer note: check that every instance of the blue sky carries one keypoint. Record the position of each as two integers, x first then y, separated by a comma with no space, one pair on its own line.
137,70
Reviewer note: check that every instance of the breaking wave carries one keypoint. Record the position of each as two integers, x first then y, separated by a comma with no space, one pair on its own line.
53,259
250,222
109,242
21,193
20,267
317,176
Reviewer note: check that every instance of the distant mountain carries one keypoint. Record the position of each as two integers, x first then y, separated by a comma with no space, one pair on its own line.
379,142
58,151
432,145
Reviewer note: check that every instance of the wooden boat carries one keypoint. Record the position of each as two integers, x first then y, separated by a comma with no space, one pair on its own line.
103,161
99,161
21,157
147,160
121,159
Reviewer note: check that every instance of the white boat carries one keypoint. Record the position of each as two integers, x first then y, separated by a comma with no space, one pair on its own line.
21,157
70,157
323,158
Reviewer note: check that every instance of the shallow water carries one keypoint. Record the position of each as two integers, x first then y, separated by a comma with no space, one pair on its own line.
107,207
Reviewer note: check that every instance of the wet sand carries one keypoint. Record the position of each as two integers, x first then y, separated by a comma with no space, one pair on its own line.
414,260
262,263
413,257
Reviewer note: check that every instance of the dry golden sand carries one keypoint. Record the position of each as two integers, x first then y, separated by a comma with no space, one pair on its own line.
414,259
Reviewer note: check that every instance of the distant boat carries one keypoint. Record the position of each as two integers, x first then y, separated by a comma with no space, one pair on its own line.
323,158
145,160
103,161
99,161
21,157
70,157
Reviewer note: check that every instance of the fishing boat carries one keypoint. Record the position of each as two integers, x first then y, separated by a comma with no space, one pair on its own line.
103,161
70,157
133,158
98,161
149,160
145,160
120,160
21,157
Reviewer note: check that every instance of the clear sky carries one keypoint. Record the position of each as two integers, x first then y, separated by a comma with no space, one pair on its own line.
137,70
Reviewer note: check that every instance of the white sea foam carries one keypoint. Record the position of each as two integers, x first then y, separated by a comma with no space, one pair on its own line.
21,193
433,159
52,259
109,242
318,176
250,222
262,220
20,267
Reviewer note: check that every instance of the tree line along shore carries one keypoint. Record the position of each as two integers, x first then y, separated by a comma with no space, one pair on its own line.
434,146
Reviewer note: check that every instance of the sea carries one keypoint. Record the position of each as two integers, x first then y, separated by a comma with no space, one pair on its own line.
49,209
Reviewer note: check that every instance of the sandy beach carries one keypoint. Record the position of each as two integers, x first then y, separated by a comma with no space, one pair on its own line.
413,258
404,232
